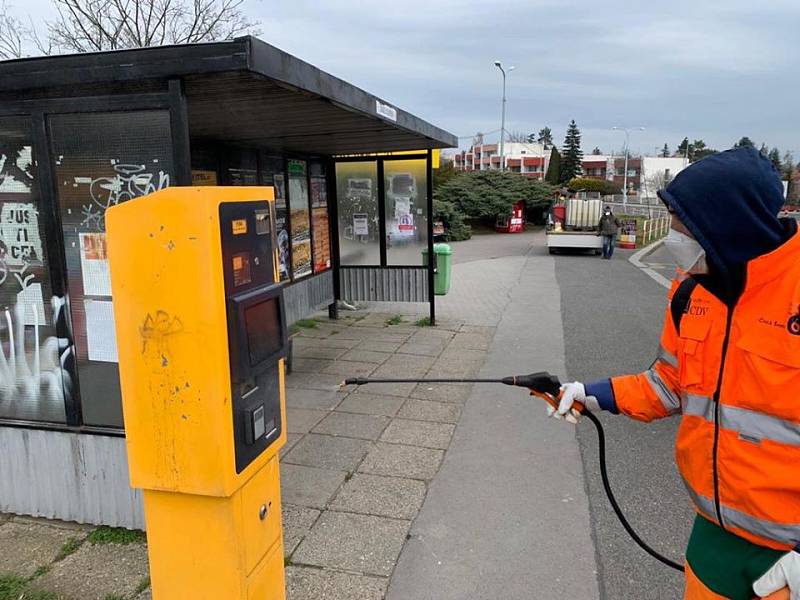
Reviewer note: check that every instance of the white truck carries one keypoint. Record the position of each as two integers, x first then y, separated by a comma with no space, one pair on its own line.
575,225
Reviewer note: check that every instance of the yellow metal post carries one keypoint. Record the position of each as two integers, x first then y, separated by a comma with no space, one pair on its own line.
194,284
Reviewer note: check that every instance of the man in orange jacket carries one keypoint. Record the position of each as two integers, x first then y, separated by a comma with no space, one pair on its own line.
729,364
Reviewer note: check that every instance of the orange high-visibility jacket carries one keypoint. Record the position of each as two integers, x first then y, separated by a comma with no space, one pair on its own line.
734,376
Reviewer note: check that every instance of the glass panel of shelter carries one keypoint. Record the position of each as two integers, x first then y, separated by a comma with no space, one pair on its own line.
357,207
403,207
100,160
406,211
36,352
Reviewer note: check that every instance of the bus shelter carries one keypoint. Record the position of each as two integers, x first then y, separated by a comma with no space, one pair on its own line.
80,133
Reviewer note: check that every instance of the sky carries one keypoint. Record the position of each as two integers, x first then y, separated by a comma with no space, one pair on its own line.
707,69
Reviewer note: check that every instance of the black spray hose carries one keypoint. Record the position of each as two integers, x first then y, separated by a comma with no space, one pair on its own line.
544,382
601,443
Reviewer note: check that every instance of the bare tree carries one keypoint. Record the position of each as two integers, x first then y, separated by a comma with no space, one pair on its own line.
12,34
94,25
516,136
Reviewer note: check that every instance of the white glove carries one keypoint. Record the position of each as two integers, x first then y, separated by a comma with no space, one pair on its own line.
571,393
784,573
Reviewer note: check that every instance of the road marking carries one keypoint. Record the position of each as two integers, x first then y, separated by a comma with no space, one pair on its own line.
636,260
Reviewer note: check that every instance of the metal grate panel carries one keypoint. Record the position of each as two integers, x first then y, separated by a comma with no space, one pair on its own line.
309,295
68,476
376,284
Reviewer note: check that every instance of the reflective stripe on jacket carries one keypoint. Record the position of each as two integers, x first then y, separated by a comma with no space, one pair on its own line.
735,378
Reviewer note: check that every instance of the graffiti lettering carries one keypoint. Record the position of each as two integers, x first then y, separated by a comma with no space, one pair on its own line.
130,181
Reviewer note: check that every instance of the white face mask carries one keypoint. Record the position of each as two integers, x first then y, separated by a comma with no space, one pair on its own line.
687,252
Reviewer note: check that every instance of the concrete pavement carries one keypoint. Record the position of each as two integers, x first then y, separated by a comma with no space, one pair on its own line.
508,510
446,492
612,317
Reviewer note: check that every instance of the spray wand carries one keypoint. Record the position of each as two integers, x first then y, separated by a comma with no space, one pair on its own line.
547,387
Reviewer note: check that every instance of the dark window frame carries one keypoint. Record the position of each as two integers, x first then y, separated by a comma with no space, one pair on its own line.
37,112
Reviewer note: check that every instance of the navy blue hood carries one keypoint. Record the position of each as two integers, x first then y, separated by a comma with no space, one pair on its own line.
730,202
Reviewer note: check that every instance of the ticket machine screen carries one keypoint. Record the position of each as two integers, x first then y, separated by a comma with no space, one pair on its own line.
263,327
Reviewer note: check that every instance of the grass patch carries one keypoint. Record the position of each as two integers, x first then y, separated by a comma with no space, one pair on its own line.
423,322
306,323
16,588
113,597
143,585
40,571
11,587
70,547
395,320
116,535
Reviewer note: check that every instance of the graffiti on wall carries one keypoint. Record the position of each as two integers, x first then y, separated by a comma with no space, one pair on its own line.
129,181
16,168
34,374
35,355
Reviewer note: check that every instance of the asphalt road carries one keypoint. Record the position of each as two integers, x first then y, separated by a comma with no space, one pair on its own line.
612,315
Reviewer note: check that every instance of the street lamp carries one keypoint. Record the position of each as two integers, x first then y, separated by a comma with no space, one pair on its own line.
625,177
499,65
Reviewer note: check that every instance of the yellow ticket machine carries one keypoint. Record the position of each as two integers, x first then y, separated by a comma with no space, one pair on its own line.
201,337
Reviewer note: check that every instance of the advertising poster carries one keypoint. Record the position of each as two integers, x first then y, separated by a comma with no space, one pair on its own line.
281,226
360,224
319,192
100,336
322,242
299,219
94,265
301,257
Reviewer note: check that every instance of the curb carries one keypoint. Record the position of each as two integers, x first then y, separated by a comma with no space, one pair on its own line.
636,260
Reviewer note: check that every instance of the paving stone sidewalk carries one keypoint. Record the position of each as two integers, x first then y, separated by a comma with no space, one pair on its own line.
354,472
358,462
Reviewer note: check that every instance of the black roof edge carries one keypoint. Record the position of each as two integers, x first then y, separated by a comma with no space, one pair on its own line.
123,65
246,53
281,66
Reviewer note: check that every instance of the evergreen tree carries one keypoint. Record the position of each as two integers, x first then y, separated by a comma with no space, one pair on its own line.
573,155
788,166
764,150
665,151
596,151
744,142
489,194
775,156
553,175
545,137
698,150
531,138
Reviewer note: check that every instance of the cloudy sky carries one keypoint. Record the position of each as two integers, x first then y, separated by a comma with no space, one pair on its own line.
710,69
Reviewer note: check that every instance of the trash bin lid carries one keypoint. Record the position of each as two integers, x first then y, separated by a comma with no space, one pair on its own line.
442,248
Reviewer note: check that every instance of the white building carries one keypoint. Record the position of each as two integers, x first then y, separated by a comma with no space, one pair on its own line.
657,172
528,159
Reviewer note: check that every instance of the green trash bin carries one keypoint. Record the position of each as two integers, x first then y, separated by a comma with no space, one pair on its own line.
442,265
